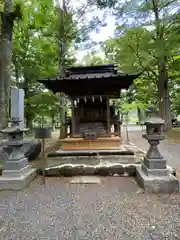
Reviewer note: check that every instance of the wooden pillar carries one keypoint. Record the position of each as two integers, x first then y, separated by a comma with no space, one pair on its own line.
120,123
108,116
119,128
73,121
66,125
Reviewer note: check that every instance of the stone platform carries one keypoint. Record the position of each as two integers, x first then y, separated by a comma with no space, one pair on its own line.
102,143
122,155
92,162
119,162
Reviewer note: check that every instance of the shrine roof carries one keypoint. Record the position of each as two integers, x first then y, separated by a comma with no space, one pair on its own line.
102,79
84,72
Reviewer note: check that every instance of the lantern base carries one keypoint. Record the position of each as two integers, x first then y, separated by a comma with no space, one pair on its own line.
13,180
157,184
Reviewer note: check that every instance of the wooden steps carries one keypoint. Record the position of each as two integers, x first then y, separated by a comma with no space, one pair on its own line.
82,144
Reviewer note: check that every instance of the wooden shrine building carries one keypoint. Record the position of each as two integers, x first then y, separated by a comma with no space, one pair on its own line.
90,90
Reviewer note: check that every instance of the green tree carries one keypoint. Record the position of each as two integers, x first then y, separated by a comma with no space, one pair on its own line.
93,58
36,48
131,55
8,18
36,45
44,105
159,16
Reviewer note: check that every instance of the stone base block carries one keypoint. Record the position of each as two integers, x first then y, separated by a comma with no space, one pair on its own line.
155,163
17,183
16,165
155,172
157,184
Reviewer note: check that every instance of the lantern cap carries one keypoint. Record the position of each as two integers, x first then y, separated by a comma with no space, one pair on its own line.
154,120
14,129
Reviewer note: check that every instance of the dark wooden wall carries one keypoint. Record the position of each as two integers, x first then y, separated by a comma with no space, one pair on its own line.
90,111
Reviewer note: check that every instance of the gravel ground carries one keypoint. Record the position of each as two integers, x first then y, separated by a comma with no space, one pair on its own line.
115,209
171,152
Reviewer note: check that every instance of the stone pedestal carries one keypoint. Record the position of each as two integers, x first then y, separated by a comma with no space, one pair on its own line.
17,173
153,174
157,184
17,180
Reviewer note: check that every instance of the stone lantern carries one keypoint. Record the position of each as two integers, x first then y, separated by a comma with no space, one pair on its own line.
17,173
153,174
15,141
153,158
154,125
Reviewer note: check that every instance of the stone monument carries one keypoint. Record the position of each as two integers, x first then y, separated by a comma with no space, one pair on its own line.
31,148
17,173
153,174
17,105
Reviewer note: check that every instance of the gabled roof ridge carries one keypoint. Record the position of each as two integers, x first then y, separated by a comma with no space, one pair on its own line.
91,69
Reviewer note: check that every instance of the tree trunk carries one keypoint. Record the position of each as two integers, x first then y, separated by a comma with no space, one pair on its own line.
42,121
164,101
29,122
62,122
2,94
28,114
5,62
139,114
162,82
7,75
62,63
7,23
52,122
7,19
121,117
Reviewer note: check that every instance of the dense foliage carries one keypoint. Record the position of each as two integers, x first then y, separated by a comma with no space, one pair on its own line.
34,52
147,40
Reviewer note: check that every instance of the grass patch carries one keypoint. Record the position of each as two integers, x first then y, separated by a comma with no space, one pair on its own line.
173,135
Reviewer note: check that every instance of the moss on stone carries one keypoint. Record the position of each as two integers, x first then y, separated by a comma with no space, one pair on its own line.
102,171
117,169
53,172
89,170
66,171
78,170
131,170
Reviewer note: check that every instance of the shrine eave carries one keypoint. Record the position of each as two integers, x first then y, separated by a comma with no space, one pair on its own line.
110,85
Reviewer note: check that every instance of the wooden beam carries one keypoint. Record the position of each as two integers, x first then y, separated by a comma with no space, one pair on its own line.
95,96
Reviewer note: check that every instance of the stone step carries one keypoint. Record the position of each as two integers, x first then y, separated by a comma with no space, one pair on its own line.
87,170
113,169
94,160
